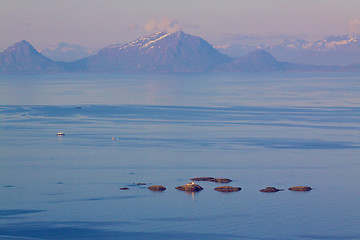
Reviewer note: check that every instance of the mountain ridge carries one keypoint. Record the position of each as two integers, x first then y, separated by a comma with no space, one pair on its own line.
22,57
331,50
154,53
159,52
66,52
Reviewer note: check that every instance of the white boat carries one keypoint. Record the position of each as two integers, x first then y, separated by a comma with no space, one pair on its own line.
60,133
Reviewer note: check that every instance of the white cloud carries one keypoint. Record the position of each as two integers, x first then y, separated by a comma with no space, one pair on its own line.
164,25
132,26
354,25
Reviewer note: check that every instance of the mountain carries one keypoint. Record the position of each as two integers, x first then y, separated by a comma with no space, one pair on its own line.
158,52
67,52
332,50
255,61
262,61
23,58
341,50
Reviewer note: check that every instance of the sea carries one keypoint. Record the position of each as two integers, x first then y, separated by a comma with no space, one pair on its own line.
137,130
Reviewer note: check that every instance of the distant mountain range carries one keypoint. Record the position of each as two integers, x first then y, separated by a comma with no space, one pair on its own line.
159,52
67,52
332,50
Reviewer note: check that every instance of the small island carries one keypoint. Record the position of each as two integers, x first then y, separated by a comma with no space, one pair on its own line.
190,187
211,179
270,189
157,188
300,188
227,189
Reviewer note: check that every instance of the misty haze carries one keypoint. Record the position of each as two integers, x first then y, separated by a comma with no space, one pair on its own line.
162,119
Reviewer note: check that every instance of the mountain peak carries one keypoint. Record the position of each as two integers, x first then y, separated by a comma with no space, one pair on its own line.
149,41
23,45
179,33
138,43
260,56
158,52
162,52
22,57
255,61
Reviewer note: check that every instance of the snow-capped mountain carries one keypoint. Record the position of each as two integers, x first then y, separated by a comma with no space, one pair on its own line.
158,52
164,52
146,42
67,52
345,42
332,50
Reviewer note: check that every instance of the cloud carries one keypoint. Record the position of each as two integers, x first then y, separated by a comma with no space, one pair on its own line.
132,26
354,25
164,25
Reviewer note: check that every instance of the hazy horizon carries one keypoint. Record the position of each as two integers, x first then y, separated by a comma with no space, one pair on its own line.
83,140
96,24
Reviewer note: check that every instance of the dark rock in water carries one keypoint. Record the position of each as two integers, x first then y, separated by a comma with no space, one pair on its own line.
190,187
141,184
300,188
271,189
124,188
227,189
157,188
211,179
222,180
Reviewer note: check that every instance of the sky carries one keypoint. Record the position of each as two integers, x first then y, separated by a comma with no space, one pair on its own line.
98,23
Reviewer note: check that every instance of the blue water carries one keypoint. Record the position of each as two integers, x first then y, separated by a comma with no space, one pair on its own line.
259,130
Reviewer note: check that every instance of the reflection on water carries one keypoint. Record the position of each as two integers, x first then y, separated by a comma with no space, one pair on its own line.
259,130
257,89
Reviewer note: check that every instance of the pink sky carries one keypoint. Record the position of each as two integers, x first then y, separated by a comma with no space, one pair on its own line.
97,23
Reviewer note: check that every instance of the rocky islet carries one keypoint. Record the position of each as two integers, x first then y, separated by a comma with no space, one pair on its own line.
270,190
227,189
157,188
300,188
211,179
192,187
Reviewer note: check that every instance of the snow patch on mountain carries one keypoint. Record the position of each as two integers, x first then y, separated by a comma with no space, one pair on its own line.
332,50
154,41
140,43
66,52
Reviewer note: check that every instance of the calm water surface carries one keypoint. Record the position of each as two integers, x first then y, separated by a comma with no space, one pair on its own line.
259,130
